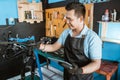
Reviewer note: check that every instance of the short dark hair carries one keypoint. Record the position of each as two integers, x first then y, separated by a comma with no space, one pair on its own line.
78,7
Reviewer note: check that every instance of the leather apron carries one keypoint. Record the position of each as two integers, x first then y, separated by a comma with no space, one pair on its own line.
74,53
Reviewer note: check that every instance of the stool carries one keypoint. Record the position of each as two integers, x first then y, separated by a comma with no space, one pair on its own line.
108,68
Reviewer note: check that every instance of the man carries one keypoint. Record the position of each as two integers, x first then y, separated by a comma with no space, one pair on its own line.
82,46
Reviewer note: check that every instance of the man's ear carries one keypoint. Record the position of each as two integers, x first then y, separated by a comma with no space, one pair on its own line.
81,18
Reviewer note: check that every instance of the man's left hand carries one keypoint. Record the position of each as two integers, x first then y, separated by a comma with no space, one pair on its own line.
75,70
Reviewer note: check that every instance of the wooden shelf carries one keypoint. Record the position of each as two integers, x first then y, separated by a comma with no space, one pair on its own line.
38,11
23,2
32,20
30,12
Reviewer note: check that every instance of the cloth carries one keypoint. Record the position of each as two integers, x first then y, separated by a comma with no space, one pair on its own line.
74,54
92,43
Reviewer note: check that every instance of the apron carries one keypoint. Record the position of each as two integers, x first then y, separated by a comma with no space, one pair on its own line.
74,53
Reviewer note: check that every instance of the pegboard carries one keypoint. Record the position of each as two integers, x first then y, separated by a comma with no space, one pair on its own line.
55,20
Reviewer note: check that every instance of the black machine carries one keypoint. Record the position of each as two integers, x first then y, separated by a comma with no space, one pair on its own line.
10,55
16,56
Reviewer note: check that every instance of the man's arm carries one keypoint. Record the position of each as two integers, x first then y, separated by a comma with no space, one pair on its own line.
50,47
92,67
95,44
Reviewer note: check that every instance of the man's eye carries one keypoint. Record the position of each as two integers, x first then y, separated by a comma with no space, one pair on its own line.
71,19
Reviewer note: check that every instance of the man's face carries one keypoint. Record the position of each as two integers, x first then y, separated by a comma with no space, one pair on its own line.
72,20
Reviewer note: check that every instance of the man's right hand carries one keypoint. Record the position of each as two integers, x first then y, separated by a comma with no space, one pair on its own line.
42,46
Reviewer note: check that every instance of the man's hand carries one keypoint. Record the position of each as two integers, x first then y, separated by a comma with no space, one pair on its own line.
42,46
75,70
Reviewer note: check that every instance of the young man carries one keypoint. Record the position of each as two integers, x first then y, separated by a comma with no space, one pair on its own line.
82,46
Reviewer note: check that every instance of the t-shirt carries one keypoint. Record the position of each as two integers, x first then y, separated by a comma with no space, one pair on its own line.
92,42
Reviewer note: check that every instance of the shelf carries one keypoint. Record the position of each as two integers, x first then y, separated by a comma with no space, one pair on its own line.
33,20
35,11
108,22
38,11
23,2
111,40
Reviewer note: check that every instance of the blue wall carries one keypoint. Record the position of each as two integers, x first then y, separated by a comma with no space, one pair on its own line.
111,51
8,9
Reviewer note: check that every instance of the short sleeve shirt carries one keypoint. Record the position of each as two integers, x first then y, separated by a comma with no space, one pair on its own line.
92,42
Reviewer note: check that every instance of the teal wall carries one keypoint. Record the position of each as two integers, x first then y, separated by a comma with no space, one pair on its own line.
8,9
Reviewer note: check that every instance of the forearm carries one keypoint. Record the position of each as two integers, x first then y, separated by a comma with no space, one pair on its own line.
92,67
49,47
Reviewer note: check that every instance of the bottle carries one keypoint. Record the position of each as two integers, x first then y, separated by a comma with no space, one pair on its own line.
106,16
111,15
103,17
114,15
32,13
9,35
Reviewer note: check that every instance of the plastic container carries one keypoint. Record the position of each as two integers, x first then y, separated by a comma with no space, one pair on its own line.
106,16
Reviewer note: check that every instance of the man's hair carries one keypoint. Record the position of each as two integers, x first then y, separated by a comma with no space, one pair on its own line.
78,7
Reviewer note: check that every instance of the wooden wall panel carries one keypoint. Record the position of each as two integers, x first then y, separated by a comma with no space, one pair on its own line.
89,15
55,21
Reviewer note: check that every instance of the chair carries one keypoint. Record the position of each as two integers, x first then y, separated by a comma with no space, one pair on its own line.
108,68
